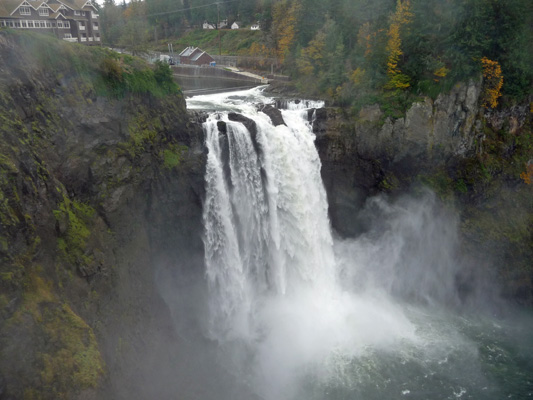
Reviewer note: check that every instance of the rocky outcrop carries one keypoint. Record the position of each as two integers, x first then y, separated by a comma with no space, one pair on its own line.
470,156
99,196
274,114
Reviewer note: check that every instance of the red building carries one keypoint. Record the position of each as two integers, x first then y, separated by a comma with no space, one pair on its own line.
195,56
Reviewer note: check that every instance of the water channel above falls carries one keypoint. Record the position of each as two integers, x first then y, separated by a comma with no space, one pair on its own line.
299,313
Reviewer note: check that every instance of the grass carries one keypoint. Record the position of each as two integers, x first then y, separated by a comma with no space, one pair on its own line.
108,73
233,42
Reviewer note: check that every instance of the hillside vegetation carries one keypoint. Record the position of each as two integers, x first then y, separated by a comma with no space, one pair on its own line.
356,52
232,42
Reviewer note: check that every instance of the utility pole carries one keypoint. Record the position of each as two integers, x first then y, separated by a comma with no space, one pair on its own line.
218,27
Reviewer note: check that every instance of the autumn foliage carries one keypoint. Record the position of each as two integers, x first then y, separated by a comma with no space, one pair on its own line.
402,16
527,176
493,82
285,16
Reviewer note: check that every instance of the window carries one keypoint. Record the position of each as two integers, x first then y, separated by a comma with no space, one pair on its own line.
53,24
30,24
11,24
25,10
2,23
17,24
83,13
95,26
43,24
76,12
48,24
66,24
68,36
24,24
43,12
59,24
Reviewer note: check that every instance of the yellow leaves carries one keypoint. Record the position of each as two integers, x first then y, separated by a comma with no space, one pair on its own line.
304,66
492,82
311,57
285,15
402,16
260,50
357,76
441,72
527,176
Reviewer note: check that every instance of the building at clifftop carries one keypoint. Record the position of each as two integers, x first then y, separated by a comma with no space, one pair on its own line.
70,20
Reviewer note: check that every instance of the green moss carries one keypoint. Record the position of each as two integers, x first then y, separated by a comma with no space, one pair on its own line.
76,217
460,186
390,182
173,155
77,363
70,361
143,132
440,182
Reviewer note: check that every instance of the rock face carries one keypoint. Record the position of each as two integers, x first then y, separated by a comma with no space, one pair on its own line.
357,155
470,156
100,198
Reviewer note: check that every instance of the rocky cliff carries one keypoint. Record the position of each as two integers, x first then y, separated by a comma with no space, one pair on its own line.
97,193
471,157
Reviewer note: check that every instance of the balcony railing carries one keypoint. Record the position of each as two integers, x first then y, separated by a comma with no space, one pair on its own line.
73,39
83,39
82,27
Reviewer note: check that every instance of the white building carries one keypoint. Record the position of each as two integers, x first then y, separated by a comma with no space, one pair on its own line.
207,25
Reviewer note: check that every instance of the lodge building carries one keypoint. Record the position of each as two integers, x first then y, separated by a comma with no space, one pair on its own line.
70,20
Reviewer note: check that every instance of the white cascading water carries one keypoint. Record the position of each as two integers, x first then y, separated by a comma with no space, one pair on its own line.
298,315
266,221
270,262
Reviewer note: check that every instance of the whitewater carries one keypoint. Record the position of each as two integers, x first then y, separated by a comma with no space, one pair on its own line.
299,313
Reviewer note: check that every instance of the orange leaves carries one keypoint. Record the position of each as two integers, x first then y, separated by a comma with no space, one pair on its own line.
527,176
492,82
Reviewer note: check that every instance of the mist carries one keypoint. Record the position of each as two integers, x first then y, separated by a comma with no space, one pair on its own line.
287,309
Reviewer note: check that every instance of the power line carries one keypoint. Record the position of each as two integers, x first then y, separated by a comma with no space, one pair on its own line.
190,8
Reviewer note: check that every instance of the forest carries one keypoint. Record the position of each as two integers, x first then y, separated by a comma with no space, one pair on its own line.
355,52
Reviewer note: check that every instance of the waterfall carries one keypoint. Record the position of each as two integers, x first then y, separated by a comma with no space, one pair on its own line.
265,216
297,315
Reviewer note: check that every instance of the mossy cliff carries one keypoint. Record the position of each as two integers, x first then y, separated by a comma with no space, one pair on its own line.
98,170
475,159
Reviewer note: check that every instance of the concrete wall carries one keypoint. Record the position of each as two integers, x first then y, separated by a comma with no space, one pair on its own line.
212,72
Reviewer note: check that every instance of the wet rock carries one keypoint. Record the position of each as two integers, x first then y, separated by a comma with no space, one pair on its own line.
222,127
274,114
247,122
